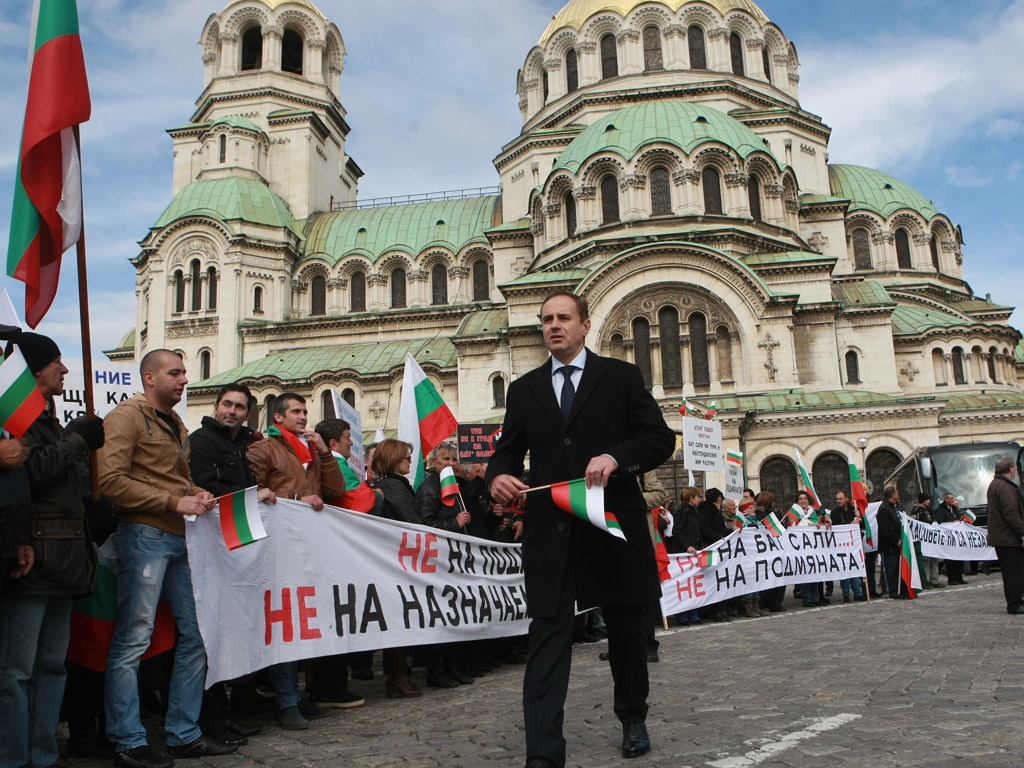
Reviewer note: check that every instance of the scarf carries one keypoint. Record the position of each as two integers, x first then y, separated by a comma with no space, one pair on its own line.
298,444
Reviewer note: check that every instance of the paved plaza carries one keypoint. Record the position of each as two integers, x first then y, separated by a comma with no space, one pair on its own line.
934,682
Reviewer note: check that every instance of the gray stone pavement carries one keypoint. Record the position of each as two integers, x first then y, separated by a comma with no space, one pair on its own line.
935,682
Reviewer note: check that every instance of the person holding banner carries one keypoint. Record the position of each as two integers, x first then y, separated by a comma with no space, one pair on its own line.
949,512
581,416
890,537
1006,531
846,512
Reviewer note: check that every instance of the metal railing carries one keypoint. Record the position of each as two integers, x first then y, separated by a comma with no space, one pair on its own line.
425,197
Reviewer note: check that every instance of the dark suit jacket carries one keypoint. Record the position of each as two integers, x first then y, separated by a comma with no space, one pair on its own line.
612,413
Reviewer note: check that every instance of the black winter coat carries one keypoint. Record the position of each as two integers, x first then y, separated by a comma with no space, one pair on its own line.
399,500
890,530
685,529
712,524
217,461
429,508
844,515
946,514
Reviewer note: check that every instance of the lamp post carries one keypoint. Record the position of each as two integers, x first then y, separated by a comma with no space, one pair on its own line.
862,443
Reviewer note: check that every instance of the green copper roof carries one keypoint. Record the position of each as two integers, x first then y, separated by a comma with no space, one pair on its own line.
679,123
237,121
913,320
451,224
786,257
230,199
796,400
549,277
861,293
979,306
299,365
978,401
485,321
873,190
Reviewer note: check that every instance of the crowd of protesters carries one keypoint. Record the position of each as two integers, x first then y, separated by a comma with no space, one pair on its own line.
151,473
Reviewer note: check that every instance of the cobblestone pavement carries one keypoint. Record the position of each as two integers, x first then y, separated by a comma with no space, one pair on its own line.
935,682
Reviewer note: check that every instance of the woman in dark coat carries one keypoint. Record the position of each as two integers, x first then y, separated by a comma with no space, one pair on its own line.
686,538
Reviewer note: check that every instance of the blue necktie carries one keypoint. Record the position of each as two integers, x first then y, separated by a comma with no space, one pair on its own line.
568,390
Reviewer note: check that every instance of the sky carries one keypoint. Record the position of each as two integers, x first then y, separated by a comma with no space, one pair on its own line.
926,90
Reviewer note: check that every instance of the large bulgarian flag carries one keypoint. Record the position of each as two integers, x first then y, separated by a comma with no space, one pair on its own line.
93,619
240,521
587,504
47,215
21,402
910,571
424,420
860,498
805,478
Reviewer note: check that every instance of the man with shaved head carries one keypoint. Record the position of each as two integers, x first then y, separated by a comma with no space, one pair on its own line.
144,473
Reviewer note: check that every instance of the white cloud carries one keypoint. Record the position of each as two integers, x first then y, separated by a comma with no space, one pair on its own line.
1003,129
966,176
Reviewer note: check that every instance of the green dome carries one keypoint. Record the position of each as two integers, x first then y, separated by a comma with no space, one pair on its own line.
237,121
871,190
679,123
230,199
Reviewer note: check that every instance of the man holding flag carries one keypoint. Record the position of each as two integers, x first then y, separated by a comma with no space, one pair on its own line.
581,416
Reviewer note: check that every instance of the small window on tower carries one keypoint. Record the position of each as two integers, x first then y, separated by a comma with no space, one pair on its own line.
291,52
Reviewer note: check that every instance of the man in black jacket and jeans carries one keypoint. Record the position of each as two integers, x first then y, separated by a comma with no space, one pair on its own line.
890,534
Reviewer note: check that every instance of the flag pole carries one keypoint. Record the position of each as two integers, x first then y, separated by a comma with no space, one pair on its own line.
83,310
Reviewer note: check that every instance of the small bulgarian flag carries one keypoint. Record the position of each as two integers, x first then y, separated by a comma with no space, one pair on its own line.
772,524
587,504
812,517
805,478
969,517
794,515
910,571
712,410
734,457
739,519
240,521
424,420
686,409
827,518
708,558
449,486
21,402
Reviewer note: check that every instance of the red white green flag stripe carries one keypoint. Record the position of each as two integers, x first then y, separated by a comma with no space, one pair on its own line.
449,486
772,524
910,571
46,218
424,420
794,515
970,518
587,504
859,490
805,478
240,521
734,457
21,402
712,410
739,519
686,409
660,552
708,558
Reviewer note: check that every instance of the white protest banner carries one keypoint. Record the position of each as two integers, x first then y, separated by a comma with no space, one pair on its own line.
336,581
734,475
355,421
111,383
751,559
702,445
952,541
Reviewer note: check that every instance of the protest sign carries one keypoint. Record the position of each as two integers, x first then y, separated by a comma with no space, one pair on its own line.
345,411
112,383
336,581
734,475
477,442
952,541
702,445
751,559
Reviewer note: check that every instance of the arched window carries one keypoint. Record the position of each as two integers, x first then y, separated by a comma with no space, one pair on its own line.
349,396
498,391
852,368
939,367
569,202
609,57
179,291
252,48
861,249
724,347
481,281
204,364
766,62
545,85
933,246
652,49
880,464
291,52
661,192
958,366
439,284
992,370
699,349
698,52
268,409
977,365
711,181
671,359
609,200
327,405
754,194
318,296
254,417
572,74
618,347
903,260
257,300
778,475
537,214
642,349
223,148
736,54
357,292
211,278
397,288
830,473
197,285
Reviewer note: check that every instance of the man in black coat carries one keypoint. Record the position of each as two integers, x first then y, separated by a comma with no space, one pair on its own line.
949,512
1006,531
581,416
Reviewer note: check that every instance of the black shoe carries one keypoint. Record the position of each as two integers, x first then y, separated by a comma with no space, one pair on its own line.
362,673
204,746
291,719
1018,609
860,599
824,601
603,656
458,676
583,636
311,711
90,745
652,657
539,762
776,609
225,734
143,757
847,599
242,729
515,656
439,679
343,700
635,741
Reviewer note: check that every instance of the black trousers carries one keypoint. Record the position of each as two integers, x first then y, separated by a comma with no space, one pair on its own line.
1011,563
891,564
954,571
546,680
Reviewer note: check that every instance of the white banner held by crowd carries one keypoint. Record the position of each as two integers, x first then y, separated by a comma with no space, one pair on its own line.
336,581
355,422
751,559
702,445
952,541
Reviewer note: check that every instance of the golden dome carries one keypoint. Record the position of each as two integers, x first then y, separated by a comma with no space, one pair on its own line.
576,12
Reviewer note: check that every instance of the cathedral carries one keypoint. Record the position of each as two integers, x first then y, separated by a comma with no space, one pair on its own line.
666,170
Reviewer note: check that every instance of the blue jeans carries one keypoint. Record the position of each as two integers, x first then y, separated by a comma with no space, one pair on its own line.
851,584
152,564
34,635
284,679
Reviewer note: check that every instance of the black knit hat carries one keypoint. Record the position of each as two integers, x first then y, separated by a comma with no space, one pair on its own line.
38,350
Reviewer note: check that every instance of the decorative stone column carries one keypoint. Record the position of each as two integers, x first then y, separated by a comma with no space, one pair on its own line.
588,63
686,182
736,203
272,35
312,67
630,52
